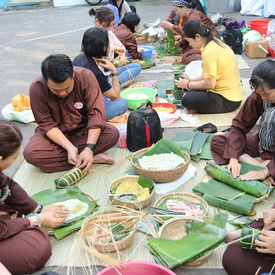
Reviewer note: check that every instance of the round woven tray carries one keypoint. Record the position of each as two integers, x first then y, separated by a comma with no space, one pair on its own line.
186,196
160,176
175,229
130,204
92,224
206,178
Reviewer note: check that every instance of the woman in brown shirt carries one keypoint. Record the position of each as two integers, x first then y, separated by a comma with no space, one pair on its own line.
24,246
185,9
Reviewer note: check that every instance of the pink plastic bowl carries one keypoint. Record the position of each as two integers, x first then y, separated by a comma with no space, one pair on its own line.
138,268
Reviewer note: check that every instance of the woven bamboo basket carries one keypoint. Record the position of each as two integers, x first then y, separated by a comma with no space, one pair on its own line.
186,196
175,229
127,203
98,229
160,176
142,39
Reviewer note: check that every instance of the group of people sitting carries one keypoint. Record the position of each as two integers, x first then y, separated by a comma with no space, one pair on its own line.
72,130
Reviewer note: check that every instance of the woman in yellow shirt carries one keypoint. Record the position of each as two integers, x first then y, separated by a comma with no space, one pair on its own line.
218,89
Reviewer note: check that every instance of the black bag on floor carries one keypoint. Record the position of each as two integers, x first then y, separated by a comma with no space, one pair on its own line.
234,39
143,128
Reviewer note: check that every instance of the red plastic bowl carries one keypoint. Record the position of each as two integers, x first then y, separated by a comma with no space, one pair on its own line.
138,268
166,105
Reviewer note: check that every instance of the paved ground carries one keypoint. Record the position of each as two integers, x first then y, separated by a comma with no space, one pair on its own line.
29,34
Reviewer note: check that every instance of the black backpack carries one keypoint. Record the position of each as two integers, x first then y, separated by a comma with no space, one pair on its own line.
143,128
234,39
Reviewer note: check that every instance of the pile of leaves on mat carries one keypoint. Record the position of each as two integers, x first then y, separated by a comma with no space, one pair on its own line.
79,203
167,45
229,193
145,63
201,238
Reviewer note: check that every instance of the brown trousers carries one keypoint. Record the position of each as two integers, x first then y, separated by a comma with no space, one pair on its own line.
50,157
238,261
26,251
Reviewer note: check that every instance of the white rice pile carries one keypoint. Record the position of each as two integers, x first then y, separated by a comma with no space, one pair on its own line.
139,96
77,208
164,161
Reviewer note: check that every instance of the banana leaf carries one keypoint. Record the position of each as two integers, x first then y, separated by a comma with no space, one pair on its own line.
218,189
248,238
173,254
205,228
164,202
142,181
162,85
241,205
50,196
252,187
161,147
205,151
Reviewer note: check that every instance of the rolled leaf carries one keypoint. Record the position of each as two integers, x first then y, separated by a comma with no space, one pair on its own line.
252,187
248,238
70,178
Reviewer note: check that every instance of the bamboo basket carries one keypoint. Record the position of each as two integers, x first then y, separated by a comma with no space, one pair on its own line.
160,176
127,203
186,196
142,39
175,229
98,225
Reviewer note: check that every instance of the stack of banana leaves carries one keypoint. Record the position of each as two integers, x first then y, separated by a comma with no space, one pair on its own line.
229,193
201,239
51,196
196,144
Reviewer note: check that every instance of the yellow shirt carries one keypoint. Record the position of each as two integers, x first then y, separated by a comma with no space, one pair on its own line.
219,62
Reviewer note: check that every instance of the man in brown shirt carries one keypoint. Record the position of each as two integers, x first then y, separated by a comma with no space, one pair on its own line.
68,107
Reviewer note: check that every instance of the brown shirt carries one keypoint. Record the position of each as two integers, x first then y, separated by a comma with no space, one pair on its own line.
243,122
20,201
127,38
82,109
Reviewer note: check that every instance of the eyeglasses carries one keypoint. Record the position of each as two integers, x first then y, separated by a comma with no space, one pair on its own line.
262,93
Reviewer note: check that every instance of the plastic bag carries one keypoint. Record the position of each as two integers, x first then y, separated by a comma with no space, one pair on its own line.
252,7
25,116
21,102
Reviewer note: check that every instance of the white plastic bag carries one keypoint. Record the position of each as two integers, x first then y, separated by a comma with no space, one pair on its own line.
269,8
252,7
24,116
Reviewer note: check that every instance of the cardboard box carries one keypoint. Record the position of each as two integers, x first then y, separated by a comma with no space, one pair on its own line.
253,48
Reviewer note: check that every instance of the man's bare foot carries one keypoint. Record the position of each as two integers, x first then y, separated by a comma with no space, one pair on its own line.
191,111
232,235
102,158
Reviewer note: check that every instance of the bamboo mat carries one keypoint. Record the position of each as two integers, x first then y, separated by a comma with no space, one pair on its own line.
96,184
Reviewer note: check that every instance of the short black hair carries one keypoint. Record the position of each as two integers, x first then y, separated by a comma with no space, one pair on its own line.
263,75
131,19
95,42
57,67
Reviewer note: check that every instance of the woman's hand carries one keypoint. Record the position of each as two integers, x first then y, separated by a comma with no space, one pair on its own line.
59,209
107,64
269,219
253,175
72,155
266,242
51,219
234,168
166,25
182,82
122,60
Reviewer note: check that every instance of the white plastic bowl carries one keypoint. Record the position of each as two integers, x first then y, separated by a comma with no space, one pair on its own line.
194,69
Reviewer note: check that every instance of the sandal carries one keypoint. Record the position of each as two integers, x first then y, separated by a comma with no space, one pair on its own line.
207,128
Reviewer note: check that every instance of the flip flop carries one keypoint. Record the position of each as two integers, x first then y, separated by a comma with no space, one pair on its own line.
207,128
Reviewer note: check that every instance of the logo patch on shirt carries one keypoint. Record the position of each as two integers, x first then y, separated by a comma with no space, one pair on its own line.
78,105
